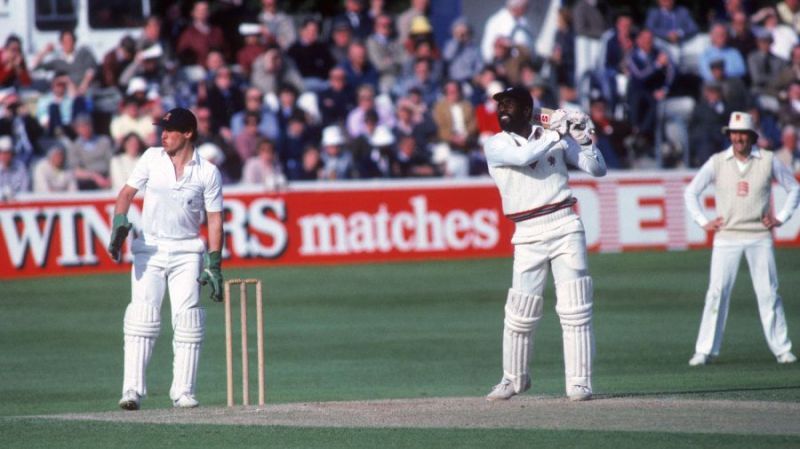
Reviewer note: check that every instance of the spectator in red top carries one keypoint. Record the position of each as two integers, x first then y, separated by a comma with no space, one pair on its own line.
200,37
116,60
251,32
13,71
486,113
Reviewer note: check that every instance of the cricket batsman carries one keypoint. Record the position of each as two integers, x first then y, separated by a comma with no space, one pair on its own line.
529,165
180,188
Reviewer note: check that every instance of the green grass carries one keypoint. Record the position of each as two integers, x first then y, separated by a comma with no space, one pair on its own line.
390,331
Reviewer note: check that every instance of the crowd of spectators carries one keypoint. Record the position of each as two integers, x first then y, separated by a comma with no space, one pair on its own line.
369,94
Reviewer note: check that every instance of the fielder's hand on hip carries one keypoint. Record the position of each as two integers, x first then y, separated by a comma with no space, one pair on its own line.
212,274
119,231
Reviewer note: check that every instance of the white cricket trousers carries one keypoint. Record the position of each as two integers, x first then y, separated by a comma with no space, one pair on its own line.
564,254
173,266
725,259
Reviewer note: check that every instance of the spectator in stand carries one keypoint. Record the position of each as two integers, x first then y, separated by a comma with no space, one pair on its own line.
381,154
264,168
455,120
789,153
251,49
362,147
404,20
789,13
789,114
588,18
763,66
287,106
461,54
480,83
780,83
292,146
50,174
356,121
385,53
13,70
131,118
611,135
410,122
562,60
115,62
231,167
341,38
122,163
151,35
254,103
358,69
734,91
76,62
311,57
200,37
54,109
149,65
358,19
279,27
25,130
543,95
726,10
214,154
651,74
271,70
741,35
672,24
507,61
310,165
89,155
337,161
246,142
709,115
616,45
224,99
14,177
425,48
337,100
411,161
376,8
719,49
783,37
509,22
486,113
421,80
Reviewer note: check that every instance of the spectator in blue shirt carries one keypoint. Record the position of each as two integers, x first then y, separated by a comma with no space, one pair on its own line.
720,50
671,23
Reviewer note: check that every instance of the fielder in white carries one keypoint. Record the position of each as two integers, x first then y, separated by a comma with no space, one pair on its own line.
742,176
529,165
180,188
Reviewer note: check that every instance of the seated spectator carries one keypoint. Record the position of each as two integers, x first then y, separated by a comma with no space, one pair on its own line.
14,177
562,59
425,49
271,70
54,109
252,48
263,168
13,70
254,103
115,62
26,131
616,45
89,155
77,63
406,18
412,122
672,24
149,65
461,54
151,36
455,120
763,66
779,85
789,153
246,142
292,145
789,13
51,175
358,68
509,22
783,37
734,92
356,122
310,165
741,36
288,107
214,154
131,118
357,18
362,147
709,116
341,38
422,81
311,57
611,135
719,50
385,53
769,131
486,113
337,100
411,161
200,37
507,61
337,161
223,100
278,26
231,167
124,161
789,114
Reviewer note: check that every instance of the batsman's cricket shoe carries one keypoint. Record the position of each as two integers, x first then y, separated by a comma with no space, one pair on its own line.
185,401
505,390
130,400
787,357
699,359
579,393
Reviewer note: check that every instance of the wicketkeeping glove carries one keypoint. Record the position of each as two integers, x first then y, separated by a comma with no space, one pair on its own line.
212,274
558,122
119,231
582,132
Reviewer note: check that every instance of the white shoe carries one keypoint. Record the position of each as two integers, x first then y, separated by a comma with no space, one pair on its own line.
699,359
130,400
505,390
185,401
579,393
787,357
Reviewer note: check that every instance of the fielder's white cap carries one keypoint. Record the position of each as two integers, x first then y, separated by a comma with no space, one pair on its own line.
381,137
6,144
332,135
153,51
249,29
136,84
740,121
211,153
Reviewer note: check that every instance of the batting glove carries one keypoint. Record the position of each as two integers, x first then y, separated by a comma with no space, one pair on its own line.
212,274
119,231
558,122
582,132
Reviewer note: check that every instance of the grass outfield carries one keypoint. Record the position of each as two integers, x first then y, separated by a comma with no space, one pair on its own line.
390,331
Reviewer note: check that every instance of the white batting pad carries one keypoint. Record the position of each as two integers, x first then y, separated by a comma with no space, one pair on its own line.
522,314
141,327
574,309
186,345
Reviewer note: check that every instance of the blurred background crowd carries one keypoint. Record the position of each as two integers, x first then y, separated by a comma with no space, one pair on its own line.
367,89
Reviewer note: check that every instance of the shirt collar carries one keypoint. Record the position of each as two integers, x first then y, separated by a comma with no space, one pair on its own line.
755,152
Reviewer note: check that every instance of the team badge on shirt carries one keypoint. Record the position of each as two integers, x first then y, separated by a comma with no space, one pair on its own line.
742,188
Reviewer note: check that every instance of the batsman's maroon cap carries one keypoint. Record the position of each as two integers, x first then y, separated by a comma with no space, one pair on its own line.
518,94
178,119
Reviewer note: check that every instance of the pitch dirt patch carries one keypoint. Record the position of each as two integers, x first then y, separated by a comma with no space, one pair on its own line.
525,412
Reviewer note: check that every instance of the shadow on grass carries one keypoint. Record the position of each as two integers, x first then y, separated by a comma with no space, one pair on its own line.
692,392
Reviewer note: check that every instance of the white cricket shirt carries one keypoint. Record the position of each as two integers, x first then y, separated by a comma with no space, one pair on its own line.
173,208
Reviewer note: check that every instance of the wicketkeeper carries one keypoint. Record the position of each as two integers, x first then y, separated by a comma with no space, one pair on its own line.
168,253
529,165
